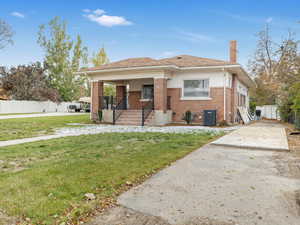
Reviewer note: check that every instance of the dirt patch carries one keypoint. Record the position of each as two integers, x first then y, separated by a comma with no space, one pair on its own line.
124,216
5,220
11,166
293,201
288,165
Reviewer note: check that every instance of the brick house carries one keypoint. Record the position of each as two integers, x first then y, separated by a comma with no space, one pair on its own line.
160,91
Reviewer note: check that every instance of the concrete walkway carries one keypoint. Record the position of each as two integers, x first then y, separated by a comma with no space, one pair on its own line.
38,115
260,135
215,183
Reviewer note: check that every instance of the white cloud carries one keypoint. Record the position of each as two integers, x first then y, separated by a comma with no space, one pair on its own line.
103,19
99,12
167,54
17,14
269,20
86,10
193,37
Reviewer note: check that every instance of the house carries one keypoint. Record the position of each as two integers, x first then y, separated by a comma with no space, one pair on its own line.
160,91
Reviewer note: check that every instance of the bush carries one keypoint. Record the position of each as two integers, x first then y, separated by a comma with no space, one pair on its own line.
297,120
223,123
188,117
100,115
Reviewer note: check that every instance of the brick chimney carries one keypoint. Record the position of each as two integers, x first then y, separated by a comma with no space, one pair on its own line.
233,51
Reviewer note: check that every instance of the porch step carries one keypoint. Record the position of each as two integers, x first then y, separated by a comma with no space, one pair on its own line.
133,117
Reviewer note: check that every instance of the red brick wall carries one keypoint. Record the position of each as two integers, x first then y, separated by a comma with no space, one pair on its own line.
229,115
134,100
160,94
179,107
120,92
97,93
234,101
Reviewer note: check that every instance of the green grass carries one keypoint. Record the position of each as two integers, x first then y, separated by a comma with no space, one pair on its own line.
45,180
16,114
36,126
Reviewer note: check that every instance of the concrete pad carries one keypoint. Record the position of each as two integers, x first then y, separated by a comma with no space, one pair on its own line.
220,183
256,137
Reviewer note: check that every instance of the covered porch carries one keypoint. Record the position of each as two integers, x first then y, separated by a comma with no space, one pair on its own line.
138,101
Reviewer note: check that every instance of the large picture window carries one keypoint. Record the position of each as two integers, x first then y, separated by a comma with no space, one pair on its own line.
196,88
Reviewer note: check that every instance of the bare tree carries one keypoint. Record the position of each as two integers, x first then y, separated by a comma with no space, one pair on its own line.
273,66
6,34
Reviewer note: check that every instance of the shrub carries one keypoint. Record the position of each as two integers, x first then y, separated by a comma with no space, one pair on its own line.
223,123
188,117
100,115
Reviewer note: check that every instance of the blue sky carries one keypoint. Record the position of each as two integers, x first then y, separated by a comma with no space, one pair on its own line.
152,28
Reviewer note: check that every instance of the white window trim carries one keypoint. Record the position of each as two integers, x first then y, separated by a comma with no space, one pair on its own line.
195,98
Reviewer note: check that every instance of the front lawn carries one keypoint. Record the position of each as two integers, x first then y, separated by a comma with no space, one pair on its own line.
46,181
36,126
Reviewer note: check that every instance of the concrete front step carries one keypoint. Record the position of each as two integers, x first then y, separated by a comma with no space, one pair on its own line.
133,117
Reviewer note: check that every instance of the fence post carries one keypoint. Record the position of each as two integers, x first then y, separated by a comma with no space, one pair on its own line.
114,116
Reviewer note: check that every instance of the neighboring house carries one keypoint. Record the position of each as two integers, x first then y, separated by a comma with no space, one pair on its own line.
167,88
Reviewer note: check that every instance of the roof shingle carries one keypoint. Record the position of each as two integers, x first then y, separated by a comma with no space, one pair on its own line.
180,61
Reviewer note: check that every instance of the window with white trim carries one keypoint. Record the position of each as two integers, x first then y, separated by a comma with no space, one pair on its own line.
196,88
148,91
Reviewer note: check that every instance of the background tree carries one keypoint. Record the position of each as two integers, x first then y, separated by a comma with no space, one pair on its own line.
100,58
27,82
109,90
63,58
271,66
276,69
6,34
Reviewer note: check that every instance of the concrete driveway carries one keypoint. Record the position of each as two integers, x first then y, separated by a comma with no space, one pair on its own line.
260,135
215,185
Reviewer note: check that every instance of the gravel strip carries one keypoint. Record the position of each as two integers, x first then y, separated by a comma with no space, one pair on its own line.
96,129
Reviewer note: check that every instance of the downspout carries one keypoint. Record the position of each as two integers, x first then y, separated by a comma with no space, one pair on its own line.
224,95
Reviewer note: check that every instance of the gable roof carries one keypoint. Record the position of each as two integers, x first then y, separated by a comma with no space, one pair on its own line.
179,61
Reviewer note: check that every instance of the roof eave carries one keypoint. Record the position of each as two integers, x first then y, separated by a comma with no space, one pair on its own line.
171,67
90,73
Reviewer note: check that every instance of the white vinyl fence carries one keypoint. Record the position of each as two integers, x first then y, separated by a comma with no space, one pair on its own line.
34,106
269,111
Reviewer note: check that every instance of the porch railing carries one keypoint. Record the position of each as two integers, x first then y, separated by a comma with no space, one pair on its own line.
146,110
118,109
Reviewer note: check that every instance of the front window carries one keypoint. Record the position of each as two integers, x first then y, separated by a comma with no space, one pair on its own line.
148,92
196,88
